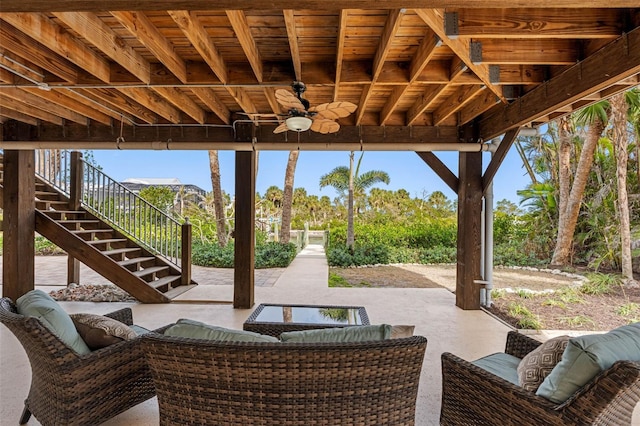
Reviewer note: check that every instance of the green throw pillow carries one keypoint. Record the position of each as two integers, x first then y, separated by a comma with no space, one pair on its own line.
364,333
40,305
199,330
586,356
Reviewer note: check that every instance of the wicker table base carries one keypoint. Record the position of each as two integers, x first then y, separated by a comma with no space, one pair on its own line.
274,319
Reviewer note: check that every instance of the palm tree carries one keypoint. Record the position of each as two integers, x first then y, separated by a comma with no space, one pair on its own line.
622,107
595,117
218,198
344,179
287,196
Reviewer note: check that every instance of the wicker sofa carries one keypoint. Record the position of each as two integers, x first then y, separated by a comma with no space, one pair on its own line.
204,382
474,396
72,389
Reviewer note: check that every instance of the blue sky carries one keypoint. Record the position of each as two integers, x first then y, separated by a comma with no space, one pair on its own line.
406,170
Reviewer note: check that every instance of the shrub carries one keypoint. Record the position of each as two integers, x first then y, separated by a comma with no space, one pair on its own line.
438,254
212,255
339,256
275,255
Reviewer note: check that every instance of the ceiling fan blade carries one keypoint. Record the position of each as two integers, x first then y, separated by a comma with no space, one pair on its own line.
281,128
324,125
333,110
289,100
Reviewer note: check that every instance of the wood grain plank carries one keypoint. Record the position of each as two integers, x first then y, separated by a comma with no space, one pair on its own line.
243,33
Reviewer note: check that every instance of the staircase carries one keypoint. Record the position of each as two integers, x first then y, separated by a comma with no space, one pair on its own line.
147,276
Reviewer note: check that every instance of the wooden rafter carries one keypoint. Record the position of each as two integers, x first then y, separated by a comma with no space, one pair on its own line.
618,60
292,35
90,27
209,98
183,102
197,35
435,19
140,26
342,29
243,33
60,97
153,102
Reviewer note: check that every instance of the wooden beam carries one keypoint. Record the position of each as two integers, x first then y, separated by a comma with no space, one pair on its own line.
197,35
243,278
140,26
440,169
55,54
98,6
469,226
342,30
481,103
149,99
18,116
18,273
540,23
181,100
49,33
530,51
209,98
616,61
243,34
59,97
461,97
431,93
435,19
292,35
388,33
43,104
91,27
7,103
498,157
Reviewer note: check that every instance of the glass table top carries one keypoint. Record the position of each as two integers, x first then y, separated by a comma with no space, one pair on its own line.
310,315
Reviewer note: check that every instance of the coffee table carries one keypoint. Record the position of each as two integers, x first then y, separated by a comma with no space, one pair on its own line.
274,319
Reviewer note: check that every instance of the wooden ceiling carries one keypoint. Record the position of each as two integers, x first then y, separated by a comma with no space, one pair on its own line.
470,71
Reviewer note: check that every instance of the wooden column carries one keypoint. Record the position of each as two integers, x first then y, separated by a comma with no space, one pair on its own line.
469,225
243,279
75,200
185,253
18,276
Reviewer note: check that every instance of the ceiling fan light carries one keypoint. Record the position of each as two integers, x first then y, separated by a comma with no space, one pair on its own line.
298,124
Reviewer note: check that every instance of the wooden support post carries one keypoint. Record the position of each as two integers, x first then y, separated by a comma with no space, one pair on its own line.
75,201
243,279
469,230
185,253
18,275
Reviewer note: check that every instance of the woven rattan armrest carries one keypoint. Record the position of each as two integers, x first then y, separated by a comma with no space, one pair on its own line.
124,315
519,344
473,396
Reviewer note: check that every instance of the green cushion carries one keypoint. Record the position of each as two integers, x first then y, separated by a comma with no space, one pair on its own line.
40,305
586,356
199,330
502,365
364,333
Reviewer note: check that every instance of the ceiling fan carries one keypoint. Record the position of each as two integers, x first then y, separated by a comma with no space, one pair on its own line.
301,118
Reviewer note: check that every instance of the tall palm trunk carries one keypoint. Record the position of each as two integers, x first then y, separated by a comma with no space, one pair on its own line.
562,252
350,232
218,200
287,196
619,115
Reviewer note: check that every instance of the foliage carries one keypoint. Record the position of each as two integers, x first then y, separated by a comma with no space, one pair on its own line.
598,283
159,196
268,255
44,247
336,280
275,255
526,318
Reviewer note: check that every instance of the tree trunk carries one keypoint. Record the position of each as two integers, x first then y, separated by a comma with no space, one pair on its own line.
566,228
218,199
350,233
287,196
619,115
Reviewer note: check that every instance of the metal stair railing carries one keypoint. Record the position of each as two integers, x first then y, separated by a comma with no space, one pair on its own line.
112,202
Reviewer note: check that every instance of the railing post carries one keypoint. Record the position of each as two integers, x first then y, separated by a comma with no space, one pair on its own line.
75,200
75,190
186,253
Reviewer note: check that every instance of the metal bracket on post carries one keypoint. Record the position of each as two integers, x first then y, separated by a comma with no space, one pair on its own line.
475,52
451,28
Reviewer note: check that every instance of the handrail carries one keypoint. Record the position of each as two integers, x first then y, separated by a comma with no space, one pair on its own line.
114,203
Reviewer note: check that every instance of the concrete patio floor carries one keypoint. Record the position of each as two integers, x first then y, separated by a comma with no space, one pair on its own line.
468,334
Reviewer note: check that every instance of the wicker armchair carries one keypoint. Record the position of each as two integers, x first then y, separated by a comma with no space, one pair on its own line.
473,396
71,389
212,383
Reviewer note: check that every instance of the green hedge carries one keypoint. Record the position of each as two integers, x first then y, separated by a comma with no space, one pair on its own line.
267,255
